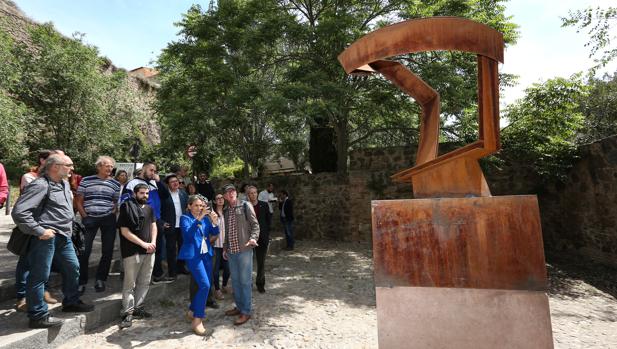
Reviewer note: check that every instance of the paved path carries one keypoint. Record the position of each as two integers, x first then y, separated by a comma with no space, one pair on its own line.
322,296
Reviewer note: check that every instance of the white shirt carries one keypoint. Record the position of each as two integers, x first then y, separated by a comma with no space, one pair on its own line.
175,196
268,197
221,239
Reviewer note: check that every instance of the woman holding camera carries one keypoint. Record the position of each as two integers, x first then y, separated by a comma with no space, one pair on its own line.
199,228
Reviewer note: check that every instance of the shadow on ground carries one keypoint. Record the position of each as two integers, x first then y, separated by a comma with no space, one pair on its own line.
566,271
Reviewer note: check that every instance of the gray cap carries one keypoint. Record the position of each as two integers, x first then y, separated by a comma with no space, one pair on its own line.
228,187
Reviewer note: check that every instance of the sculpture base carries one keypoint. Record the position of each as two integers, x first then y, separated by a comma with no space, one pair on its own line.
458,318
460,273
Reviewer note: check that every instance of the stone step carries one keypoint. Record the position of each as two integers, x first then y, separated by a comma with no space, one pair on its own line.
15,334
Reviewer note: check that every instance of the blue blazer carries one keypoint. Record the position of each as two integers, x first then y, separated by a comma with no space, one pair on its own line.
193,232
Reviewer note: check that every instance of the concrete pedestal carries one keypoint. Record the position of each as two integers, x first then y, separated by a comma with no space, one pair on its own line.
460,273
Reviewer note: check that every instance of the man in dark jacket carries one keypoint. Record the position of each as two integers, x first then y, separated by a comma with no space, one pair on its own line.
262,211
287,217
171,210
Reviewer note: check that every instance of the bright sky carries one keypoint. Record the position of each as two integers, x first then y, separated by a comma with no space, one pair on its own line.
132,33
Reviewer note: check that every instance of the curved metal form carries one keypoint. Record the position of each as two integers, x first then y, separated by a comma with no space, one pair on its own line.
456,173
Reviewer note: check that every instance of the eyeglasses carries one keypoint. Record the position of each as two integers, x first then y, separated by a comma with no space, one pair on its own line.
67,165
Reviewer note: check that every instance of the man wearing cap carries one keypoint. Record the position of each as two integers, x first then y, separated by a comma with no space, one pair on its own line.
241,234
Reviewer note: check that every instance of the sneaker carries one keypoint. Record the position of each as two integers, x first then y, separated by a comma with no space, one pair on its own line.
21,305
45,322
127,321
162,280
81,289
79,307
99,286
141,313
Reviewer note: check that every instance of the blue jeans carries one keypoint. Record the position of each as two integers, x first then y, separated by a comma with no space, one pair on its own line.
289,232
58,249
218,262
201,269
21,275
241,268
107,224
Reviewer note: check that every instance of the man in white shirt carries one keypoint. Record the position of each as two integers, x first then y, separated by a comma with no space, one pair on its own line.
267,195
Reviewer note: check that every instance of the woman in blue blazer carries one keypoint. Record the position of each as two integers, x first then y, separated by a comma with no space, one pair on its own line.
198,226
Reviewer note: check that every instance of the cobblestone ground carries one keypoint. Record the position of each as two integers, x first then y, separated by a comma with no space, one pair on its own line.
322,296
318,296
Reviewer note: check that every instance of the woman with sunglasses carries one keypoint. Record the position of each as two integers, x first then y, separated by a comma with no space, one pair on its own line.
199,226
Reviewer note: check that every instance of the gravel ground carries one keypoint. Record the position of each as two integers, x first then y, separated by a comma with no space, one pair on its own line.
322,296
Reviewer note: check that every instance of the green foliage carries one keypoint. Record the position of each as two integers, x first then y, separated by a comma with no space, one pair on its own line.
227,169
219,81
544,126
600,109
599,23
58,95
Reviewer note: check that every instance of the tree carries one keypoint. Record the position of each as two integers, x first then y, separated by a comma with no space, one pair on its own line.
219,81
599,23
600,109
69,96
544,126
370,111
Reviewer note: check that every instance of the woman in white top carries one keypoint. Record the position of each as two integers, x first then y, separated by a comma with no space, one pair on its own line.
219,261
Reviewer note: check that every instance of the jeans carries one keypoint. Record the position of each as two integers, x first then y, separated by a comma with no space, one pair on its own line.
107,224
21,275
58,249
137,274
260,256
241,267
219,262
201,270
289,232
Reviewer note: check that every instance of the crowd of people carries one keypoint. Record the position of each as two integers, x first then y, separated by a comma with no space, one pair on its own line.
167,226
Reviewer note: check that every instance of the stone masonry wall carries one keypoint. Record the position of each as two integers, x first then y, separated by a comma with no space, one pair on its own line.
579,215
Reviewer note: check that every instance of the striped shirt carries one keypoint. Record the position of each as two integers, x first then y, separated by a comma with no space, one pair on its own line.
99,195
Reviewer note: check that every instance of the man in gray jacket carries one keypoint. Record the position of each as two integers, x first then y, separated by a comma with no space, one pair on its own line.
241,234
45,210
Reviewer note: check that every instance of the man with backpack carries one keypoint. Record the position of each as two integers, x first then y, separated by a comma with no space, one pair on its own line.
241,234
45,210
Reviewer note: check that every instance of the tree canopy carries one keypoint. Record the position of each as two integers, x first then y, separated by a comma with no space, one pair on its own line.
250,76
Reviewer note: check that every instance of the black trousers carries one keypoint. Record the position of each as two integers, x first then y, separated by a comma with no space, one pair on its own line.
260,255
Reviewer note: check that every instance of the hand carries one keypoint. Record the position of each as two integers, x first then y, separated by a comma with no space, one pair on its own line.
156,177
166,225
225,254
150,247
214,218
47,234
251,242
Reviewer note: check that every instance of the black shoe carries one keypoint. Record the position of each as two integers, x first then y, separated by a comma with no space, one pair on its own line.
141,313
212,304
99,286
163,280
79,307
183,270
81,289
261,289
127,321
45,322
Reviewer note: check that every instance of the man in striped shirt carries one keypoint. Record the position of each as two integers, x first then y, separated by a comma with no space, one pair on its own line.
96,202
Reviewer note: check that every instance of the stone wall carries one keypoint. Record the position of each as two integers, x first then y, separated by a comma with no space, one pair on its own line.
579,215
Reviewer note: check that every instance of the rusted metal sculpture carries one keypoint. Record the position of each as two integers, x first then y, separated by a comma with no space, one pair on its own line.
456,173
455,267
